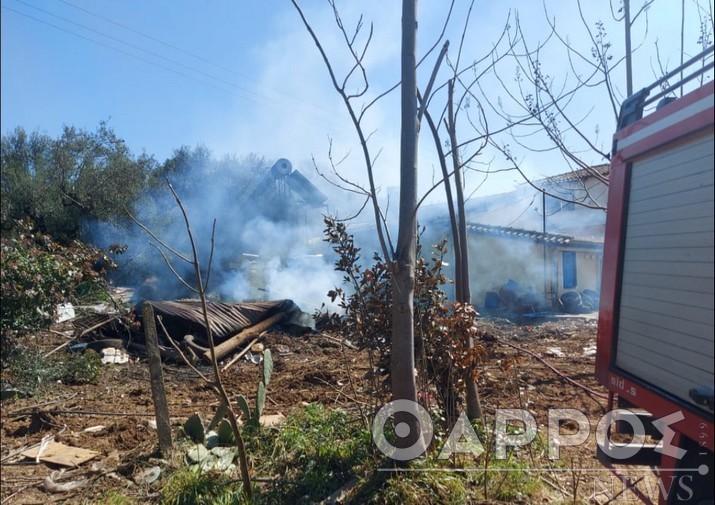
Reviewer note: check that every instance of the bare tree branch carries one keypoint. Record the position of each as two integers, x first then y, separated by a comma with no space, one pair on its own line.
387,254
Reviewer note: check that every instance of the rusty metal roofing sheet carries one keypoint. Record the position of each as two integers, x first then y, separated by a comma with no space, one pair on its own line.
225,319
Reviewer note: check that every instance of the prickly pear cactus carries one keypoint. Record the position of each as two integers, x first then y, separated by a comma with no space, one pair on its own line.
253,417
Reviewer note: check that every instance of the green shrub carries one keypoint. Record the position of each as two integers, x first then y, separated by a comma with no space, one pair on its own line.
37,274
189,486
30,371
423,488
115,498
445,356
316,451
82,368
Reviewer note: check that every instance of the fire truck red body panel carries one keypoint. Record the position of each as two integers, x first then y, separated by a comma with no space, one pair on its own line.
680,123
656,330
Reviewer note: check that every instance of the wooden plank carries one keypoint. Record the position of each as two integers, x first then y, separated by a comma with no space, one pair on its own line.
231,344
161,406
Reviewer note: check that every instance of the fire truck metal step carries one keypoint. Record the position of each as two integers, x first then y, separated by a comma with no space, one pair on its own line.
645,456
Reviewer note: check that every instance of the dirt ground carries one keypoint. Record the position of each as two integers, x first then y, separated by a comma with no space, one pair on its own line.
311,368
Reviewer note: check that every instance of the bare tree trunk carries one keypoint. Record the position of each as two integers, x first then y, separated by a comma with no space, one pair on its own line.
474,408
403,281
629,55
456,241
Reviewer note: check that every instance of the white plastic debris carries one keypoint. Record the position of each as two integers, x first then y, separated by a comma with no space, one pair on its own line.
253,358
111,355
51,486
94,429
99,308
65,312
589,351
556,352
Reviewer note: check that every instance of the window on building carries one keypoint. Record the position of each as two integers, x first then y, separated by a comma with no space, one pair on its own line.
554,205
569,266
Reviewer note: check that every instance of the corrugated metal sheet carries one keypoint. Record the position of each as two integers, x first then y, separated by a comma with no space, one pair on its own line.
535,236
225,319
603,170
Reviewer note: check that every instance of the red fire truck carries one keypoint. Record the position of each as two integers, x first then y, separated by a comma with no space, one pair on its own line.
655,330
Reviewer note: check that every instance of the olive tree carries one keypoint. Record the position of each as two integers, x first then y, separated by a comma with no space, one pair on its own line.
60,183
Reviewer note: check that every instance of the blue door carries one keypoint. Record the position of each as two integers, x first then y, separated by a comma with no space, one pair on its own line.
569,264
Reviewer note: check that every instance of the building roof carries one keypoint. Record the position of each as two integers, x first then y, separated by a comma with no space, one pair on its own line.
576,175
535,236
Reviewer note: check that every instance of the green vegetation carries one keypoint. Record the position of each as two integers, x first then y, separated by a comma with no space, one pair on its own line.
315,452
318,450
254,416
82,368
32,372
63,183
60,182
38,273
192,486
114,498
444,357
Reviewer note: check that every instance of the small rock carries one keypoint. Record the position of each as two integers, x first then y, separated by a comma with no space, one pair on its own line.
272,419
197,453
556,352
148,475
281,349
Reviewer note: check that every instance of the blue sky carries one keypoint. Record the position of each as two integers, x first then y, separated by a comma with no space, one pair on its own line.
244,77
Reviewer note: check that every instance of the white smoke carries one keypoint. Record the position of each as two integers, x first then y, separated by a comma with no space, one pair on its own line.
254,256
